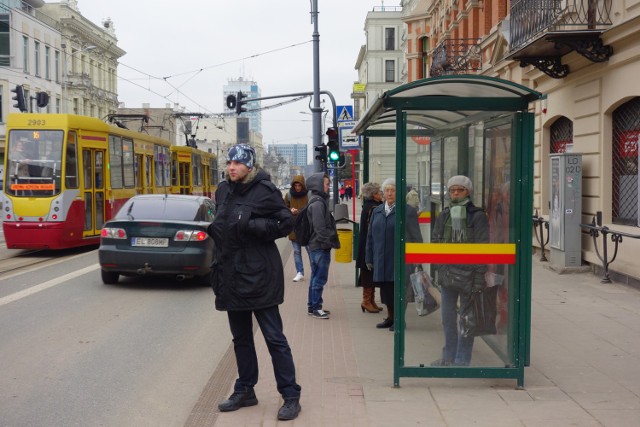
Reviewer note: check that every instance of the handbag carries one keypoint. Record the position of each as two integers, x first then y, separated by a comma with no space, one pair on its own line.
478,316
427,297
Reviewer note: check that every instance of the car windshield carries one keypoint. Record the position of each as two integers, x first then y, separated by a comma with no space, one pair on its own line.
160,209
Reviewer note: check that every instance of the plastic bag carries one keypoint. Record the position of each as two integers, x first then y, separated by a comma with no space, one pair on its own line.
478,316
427,297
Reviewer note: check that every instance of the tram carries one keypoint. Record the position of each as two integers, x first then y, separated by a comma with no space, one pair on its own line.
193,171
65,175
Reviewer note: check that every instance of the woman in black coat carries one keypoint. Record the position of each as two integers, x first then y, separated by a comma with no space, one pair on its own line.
372,196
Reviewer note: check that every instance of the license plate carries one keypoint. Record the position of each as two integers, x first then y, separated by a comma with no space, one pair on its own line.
150,242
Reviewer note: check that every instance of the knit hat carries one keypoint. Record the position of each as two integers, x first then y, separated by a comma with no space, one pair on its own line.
243,153
462,181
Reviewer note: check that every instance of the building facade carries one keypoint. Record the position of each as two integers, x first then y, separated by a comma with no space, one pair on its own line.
51,49
583,55
295,153
381,67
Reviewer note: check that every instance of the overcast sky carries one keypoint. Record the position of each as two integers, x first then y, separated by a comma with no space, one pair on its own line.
185,51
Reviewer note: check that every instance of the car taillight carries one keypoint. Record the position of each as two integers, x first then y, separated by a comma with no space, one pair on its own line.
190,235
114,233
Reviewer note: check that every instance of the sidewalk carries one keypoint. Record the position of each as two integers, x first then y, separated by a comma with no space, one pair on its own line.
585,363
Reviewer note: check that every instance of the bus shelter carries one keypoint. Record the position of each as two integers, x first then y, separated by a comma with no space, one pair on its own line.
479,127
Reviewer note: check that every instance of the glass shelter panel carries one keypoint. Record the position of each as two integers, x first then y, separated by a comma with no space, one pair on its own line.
458,249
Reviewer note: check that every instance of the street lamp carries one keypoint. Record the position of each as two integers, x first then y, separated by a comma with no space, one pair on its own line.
65,82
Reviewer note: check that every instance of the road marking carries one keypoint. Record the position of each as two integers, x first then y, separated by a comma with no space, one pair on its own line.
46,285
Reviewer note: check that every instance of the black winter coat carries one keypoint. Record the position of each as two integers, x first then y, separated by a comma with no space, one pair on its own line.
247,273
463,277
367,207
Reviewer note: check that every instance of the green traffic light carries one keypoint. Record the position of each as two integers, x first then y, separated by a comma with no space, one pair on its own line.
334,156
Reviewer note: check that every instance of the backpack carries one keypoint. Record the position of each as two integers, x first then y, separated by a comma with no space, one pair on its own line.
302,225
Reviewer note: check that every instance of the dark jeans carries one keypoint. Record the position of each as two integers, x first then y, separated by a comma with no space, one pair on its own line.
457,349
270,322
320,261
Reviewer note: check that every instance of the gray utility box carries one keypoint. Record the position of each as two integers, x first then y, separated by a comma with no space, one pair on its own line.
565,215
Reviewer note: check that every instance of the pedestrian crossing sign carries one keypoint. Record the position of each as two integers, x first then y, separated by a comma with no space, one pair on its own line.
344,113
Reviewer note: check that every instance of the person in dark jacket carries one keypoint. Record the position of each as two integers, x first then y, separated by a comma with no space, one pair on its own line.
247,276
372,197
324,237
461,222
296,199
380,246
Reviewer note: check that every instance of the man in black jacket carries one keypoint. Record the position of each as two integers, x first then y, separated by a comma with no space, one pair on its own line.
247,276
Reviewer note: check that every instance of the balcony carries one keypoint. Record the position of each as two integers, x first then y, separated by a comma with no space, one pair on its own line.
543,31
456,56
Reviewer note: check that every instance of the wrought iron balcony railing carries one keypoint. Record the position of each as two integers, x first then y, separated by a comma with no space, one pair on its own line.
530,18
456,56
543,31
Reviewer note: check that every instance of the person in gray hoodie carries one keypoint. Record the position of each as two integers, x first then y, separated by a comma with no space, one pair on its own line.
324,236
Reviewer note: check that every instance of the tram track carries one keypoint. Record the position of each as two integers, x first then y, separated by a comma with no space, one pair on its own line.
14,261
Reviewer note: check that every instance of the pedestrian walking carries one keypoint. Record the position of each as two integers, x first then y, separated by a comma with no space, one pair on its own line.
324,237
247,276
296,199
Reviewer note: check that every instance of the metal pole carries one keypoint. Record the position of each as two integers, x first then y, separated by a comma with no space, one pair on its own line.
316,111
65,72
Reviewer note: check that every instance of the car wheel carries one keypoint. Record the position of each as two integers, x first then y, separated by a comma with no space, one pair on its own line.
109,277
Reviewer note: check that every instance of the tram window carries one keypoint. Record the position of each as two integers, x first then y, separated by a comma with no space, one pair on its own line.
162,166
127,163
115,161
71,162
86,161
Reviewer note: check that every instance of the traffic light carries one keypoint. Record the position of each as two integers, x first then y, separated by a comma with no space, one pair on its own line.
322,153
42,99
231,102
333,144
19,98
240,103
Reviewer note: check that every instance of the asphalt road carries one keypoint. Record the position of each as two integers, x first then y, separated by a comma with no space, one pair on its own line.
78,352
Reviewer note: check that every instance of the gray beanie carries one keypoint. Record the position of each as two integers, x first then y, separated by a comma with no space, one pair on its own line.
462,181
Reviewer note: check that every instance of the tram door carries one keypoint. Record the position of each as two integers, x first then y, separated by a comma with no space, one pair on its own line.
148,178
93,190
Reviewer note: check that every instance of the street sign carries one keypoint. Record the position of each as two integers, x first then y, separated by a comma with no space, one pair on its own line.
344,113
348,140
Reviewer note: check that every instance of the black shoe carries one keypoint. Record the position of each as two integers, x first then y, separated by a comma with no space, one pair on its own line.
290,409
386,323
237,400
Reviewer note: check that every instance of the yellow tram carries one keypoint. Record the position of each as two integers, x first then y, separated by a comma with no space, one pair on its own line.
65,175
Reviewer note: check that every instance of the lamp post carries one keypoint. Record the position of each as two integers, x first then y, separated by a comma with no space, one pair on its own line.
65,82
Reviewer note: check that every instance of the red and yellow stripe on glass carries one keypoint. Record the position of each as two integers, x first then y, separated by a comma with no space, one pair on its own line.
424,218
460,253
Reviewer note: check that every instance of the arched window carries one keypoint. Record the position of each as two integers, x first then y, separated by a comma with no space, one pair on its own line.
626,128
561,135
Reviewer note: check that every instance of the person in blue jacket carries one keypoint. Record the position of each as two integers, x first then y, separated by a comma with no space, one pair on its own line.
380,246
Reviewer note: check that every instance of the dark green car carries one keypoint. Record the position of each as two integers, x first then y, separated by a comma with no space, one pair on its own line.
157,234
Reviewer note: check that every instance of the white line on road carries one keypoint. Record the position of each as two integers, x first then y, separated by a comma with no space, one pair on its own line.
46,285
